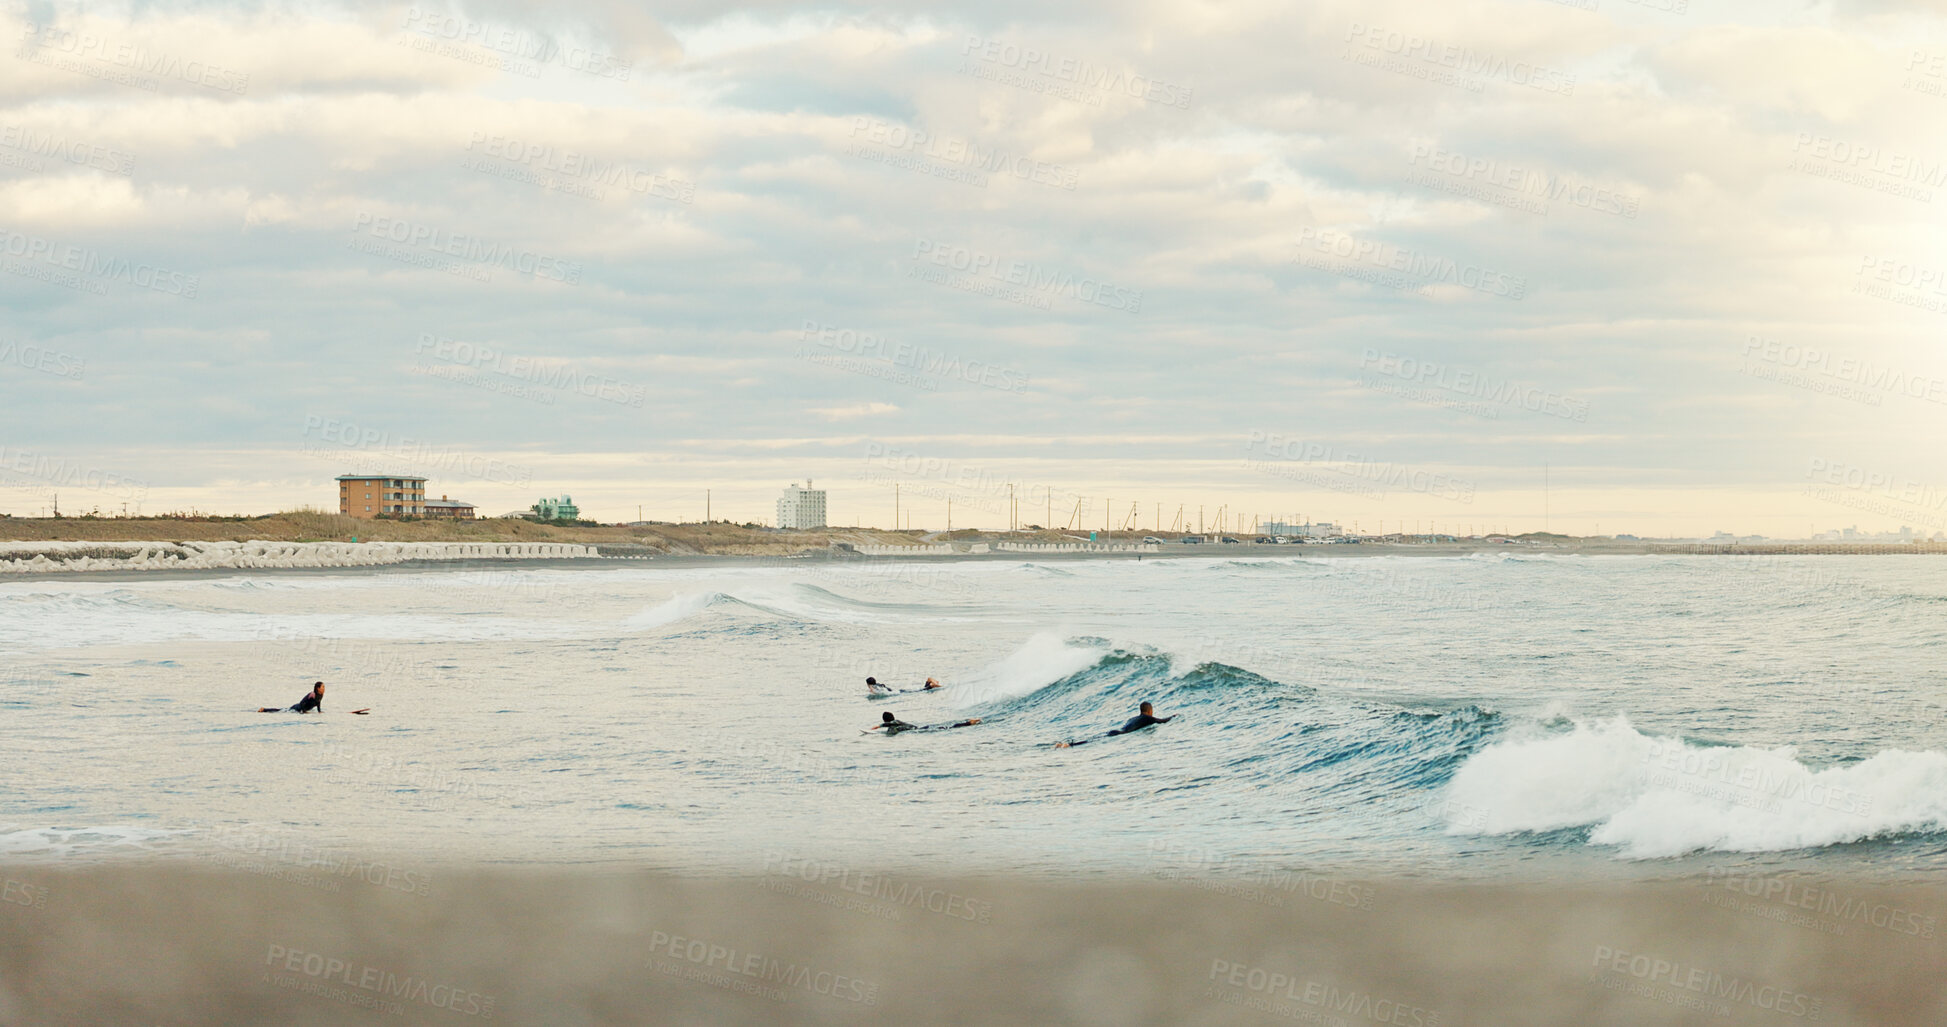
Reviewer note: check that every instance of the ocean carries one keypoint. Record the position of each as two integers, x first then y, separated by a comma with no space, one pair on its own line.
1512,787
1505,716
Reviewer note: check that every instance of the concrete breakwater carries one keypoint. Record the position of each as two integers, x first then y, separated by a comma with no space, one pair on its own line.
50,557
975,548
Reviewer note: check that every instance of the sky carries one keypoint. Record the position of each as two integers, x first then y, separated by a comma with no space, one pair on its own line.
1661,267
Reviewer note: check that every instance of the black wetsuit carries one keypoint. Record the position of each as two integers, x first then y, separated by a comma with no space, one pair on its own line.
1138,722
896,726
1135,723
311,701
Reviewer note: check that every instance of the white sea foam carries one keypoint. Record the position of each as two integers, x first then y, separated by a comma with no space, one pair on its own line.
1041,661
1656,796
678,608
65,844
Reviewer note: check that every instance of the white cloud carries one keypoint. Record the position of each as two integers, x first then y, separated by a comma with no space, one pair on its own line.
853,412
719,196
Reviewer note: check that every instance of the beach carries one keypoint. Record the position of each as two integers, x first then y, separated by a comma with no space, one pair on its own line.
171,945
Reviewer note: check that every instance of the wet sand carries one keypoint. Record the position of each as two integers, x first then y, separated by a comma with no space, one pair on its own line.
169,944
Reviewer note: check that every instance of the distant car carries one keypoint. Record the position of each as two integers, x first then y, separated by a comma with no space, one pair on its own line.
1229,541
1151,540
1265,540
1190,540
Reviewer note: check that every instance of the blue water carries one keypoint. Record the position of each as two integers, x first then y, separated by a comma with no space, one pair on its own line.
1472,717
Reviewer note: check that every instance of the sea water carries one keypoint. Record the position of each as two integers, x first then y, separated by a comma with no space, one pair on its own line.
1488,716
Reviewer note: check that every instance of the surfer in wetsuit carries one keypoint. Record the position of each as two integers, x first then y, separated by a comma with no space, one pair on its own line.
893,725
313,701
873,686
1145,718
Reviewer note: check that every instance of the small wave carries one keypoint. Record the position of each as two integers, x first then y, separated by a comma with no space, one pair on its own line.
1514,556
681,607
1654,797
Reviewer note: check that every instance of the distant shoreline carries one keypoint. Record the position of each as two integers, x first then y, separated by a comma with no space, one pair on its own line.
833,557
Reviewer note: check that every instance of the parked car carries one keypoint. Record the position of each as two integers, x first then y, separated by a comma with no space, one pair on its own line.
1151,540
1189,540
1229,541
1265,540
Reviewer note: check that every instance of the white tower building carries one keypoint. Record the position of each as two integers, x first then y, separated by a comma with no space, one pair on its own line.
801,507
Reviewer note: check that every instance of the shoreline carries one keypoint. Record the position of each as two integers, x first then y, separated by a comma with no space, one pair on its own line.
816,943
827,557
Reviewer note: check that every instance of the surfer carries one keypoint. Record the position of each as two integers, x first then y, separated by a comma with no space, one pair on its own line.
1145,718
873,687
312,701
893,725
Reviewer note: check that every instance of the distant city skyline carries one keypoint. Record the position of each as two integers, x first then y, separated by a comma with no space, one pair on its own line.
1630,269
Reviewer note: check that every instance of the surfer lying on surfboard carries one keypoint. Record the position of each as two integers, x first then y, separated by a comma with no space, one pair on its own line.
893,725
873,687
313,702
1145,717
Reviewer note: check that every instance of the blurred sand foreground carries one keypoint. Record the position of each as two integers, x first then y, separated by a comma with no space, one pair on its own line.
169,944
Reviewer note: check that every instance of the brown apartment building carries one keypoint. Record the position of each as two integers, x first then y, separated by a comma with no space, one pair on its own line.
369,495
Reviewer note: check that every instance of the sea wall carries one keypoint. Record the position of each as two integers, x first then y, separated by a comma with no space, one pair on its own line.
50,557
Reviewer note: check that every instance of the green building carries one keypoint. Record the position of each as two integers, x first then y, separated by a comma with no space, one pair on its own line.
563,509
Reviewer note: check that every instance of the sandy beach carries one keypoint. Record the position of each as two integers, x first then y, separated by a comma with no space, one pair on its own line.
815,942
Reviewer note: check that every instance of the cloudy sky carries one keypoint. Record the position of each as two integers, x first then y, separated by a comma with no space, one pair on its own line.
1662,267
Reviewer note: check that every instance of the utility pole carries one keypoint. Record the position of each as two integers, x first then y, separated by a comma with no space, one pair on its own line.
949,515
1107,504
895,506
1199,518
707,517
1010,506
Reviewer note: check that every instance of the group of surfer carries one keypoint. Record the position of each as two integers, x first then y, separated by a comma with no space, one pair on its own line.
313,702
1145,716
